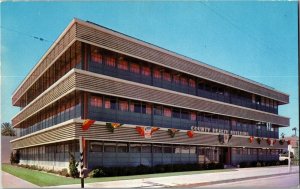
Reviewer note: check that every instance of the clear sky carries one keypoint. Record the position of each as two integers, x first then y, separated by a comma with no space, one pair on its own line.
257,40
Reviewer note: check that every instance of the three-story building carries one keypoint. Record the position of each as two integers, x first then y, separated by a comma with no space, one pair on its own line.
203,113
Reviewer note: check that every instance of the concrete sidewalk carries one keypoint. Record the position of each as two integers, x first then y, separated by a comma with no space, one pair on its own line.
10,181
192,180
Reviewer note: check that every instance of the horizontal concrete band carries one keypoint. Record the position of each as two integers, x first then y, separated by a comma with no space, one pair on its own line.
127,133
96,83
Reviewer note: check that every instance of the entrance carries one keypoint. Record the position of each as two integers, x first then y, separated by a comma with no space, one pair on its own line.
225,155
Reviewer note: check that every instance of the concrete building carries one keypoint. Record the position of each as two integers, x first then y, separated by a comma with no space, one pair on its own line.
202,113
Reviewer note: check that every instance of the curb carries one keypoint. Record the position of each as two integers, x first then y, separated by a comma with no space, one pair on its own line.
228,180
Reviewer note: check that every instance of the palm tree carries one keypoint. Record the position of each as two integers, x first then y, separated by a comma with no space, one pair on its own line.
7,129
295,129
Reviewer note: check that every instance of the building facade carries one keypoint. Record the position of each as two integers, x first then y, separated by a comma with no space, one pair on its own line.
202,113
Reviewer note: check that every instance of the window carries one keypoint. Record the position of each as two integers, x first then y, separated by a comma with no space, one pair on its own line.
96,57
193,150
176,79
185,114
192,83
96,101
123,105
157,148
110,61
167,76
137,107
275,104
157,110
156,74
176,113
135,148
167,149
131,107
96,147
146,71
109,147
123,65
193,116
122,147
146,148
185,149
148,109
184,81
167,112
134,68
107,103
258,100
177,149
113,103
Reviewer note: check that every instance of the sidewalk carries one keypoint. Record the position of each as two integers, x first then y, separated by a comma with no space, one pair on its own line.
192,180
10,181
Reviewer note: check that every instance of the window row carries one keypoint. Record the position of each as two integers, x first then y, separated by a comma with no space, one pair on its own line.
131,69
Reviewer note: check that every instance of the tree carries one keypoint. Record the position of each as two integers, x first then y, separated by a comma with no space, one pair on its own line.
15,157
295,129
282,135
7,129
73,166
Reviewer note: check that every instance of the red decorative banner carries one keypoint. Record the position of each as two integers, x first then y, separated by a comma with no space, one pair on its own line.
190,134
140,130
251,139
87,123
154,129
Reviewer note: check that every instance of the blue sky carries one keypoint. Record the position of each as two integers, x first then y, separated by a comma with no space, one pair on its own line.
257,40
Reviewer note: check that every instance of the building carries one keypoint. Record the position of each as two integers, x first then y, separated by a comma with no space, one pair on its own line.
92,72
294,141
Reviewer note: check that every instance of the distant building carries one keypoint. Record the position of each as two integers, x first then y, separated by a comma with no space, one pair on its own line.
294,141
92,72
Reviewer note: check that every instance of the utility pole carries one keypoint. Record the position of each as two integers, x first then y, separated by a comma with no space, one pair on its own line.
81,146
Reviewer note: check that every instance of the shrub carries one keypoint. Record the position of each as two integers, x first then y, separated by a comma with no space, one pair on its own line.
258,164
12,158
64,172
219,166
211,165
243,164
15,157
73,167
253,163
97,173
159,169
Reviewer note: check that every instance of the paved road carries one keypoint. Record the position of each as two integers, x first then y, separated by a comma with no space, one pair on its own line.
284,181
191,181
10,181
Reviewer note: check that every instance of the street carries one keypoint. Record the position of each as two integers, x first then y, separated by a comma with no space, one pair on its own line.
284,181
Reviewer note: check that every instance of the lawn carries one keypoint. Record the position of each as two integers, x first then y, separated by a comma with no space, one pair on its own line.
45,179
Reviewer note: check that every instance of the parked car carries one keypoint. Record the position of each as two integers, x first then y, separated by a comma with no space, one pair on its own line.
285,156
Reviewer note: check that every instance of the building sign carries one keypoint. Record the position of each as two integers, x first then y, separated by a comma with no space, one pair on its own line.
213,130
